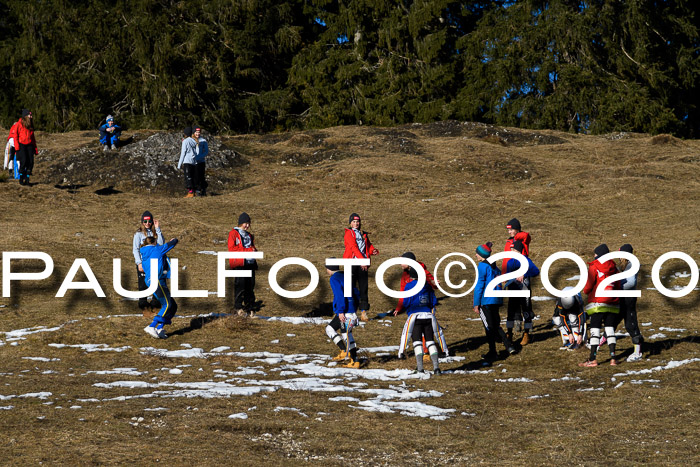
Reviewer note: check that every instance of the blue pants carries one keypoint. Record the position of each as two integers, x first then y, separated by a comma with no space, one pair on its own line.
168,306
109,139
15,168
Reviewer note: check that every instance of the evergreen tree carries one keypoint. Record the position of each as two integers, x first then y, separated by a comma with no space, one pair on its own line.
593,66
382,62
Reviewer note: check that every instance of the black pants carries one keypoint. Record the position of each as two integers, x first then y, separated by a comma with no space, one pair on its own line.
143,301
245,294
25,157
189,170
360,279
494,333
628,312
520,307
421,328
602,320
200,182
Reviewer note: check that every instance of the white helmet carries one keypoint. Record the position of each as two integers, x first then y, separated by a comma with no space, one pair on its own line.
567,302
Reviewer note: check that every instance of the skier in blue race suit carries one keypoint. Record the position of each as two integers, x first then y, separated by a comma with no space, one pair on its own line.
151,250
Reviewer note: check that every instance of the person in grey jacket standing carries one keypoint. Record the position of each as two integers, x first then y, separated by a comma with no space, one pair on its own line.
188,160
148,228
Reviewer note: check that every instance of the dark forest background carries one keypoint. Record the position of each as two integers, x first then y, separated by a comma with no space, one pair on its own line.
263,65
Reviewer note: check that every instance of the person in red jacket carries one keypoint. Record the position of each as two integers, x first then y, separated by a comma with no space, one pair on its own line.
240,239
515,316
357,245
25,145
602,310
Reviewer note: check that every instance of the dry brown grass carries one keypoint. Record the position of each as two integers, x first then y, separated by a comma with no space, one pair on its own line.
432,189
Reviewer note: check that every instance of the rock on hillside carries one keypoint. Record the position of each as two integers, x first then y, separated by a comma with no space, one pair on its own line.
146,163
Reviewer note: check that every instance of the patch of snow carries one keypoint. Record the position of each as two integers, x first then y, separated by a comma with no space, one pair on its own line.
92,347
413,409
295,319
669,366
117,371
566,378
291,409
386,348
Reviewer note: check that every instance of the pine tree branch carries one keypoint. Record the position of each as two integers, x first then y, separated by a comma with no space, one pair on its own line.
628,56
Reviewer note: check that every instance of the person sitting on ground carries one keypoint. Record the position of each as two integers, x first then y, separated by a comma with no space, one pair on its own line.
109,134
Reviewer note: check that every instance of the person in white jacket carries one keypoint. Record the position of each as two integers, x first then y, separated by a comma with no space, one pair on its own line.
188,160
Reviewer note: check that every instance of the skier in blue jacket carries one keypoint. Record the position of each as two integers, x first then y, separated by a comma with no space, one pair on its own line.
422,305
487,307
345,310
151,250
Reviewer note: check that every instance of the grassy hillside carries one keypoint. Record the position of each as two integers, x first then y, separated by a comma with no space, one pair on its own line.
432,189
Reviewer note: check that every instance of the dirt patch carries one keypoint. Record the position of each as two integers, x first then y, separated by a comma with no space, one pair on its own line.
398,140
664,139
146,164
315,157
489,133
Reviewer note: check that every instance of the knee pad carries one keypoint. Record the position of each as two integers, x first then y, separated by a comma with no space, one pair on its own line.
595,336
418,347
610,334
330,332
558,322
432,348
